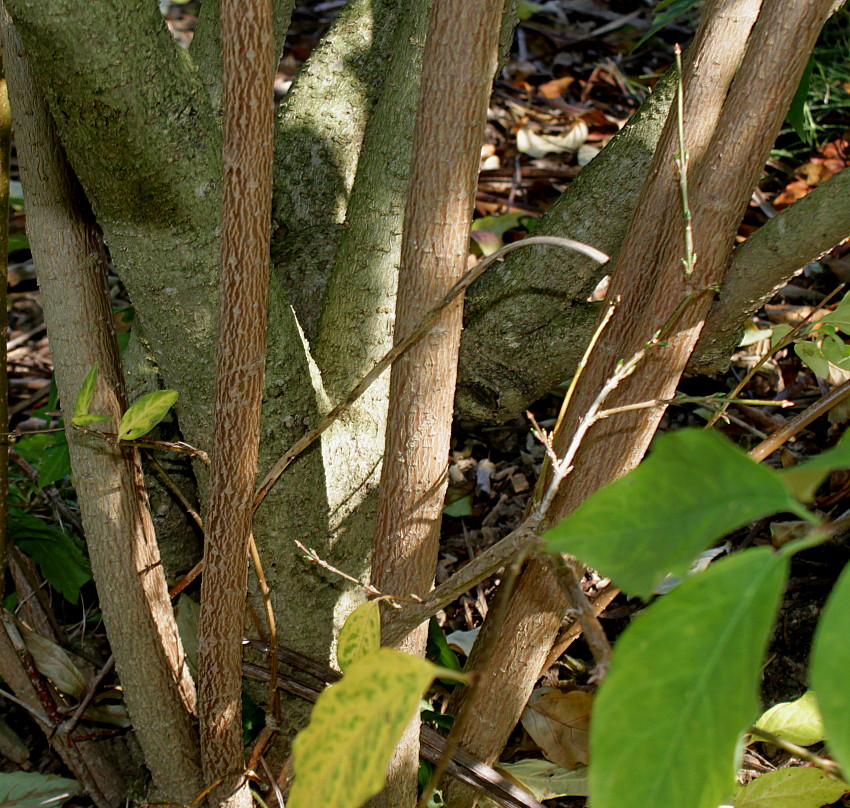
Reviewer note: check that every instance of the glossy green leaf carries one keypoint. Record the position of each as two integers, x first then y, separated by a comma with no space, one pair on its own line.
460,507
830,670
438,647
55,663
341,758
840,317
804,479
693,489
360,635
683,687
145,414
56,464
779,333
790,788
797,721
82,416
34,790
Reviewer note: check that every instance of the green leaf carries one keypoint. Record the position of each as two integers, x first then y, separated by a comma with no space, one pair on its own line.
693,489
53,661
779,333
797,110
545,780
797,721
57,462
683,686
790,788
840,317
667,11
186,614
84,397
145,414
438,647
32,790
830,669
460,507
341,758
526,9
360,635
804,479
18,241
89,418
813,357
61,562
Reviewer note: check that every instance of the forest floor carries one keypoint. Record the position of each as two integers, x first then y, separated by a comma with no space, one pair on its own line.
574,76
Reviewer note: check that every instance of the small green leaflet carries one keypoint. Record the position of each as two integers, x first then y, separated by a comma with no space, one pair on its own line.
693,489
145,414
795,721
797,111
82,416
683,687
33,790
830,670
341,758
360,635
790,788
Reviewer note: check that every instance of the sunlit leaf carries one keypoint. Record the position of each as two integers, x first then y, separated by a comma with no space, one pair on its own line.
34,790
341,758
82,416
145,414
790,788
360,635
692,490
683,687
830,669
797,721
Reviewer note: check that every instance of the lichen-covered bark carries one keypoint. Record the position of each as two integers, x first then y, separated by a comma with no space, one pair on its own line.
138,128
320,129
133,595
522,320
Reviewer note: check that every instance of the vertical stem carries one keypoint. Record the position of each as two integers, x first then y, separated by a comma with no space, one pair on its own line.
460,58
5,146
247,74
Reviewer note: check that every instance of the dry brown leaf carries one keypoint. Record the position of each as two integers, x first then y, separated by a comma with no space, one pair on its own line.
559,723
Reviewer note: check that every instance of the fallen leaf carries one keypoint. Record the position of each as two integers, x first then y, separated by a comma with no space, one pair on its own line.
559,723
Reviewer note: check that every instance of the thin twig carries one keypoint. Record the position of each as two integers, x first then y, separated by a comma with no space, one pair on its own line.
273,706
790,337
370,590
404,344
828,766
820,407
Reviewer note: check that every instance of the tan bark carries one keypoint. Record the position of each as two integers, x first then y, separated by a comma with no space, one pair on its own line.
248,67
461,53
5,146
728,138
69,256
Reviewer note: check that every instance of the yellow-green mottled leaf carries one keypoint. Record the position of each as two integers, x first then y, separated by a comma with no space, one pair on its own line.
360,635
82,416
797,721
145,414
790,788
341,758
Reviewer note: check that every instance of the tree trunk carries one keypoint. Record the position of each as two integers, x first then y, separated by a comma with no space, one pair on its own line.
133,595
727,138
449,130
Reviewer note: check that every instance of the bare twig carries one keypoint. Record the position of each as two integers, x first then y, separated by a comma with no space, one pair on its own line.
425,325
830,767
822,406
